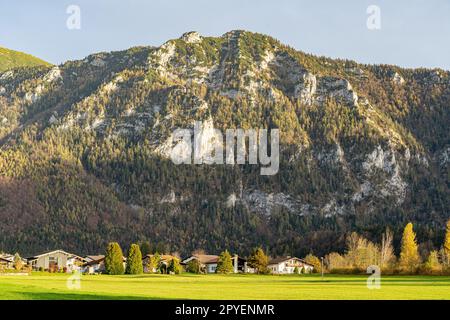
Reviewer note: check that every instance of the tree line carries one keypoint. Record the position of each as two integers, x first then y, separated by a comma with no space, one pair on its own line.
360,254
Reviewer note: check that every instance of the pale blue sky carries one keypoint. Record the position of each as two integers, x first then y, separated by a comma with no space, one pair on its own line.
414,33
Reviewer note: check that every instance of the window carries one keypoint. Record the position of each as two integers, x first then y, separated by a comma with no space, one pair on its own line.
52,263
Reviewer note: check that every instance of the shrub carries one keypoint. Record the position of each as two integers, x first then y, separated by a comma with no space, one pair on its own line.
315,262
194,266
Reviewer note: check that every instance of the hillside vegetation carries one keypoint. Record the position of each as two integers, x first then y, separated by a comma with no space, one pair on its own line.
10,59
83,150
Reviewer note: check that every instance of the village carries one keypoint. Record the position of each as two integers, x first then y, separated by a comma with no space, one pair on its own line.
65,262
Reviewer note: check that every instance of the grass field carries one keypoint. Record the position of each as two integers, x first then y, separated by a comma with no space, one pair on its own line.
186,286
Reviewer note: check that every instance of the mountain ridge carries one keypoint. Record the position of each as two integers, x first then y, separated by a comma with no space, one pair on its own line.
10,59
85,141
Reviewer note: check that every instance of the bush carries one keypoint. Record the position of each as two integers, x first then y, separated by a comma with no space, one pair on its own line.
315,262
194,266
348,271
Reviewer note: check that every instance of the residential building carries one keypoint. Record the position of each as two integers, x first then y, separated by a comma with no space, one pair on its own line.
289,265
208,263
55,261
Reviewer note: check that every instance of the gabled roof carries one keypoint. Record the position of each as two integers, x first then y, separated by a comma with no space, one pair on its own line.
5,260
94,257
6,256
52,252
283,259
94,262
203,258
100,260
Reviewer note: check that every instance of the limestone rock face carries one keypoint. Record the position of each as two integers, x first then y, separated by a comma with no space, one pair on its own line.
307,88
398,79
192,37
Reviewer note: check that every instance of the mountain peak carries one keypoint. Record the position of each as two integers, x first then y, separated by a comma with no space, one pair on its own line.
191,37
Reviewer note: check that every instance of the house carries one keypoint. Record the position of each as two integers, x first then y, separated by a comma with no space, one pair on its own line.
208,263
93,257
6,263
74,263
55,261
289,265
96,264
164,262
7,256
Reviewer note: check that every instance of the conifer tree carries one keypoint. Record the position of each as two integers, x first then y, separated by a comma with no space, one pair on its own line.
174,266
225,264
114,259
134,260
146,248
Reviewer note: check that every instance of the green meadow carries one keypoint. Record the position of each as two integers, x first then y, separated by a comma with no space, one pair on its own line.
257,287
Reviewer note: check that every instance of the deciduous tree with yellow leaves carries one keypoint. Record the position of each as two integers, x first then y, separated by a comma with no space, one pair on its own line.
409,255
447,245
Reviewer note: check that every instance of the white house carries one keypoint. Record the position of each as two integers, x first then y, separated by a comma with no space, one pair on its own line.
288,265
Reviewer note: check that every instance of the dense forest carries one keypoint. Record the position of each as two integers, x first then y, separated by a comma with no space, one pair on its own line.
83,158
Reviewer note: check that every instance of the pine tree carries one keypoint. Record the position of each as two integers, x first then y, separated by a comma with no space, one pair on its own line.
447,245
225,264
174,266
409,255
146,248
258,260
134,260
114,259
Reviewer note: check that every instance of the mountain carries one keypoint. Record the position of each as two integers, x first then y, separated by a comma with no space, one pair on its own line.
10,59
84,161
